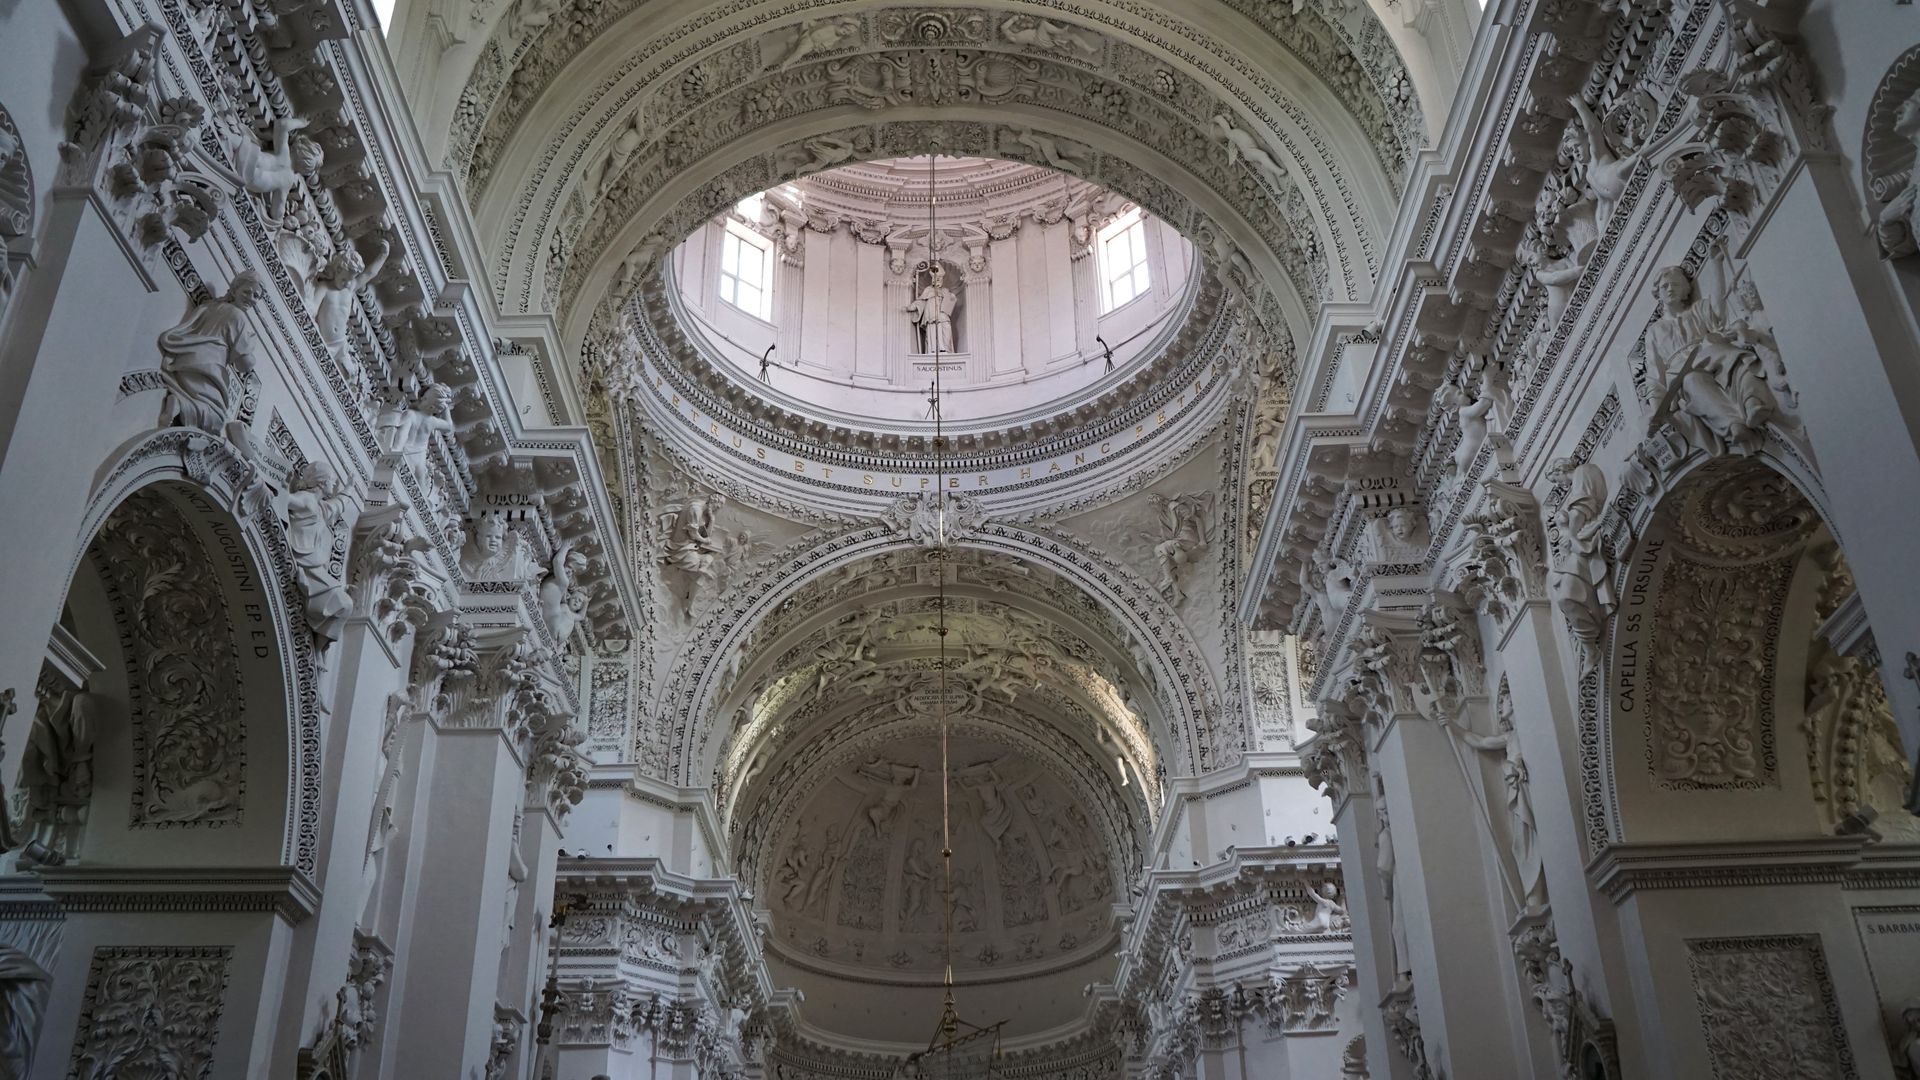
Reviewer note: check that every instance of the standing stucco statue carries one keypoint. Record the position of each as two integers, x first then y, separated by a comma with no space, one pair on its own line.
1384,864
1523,830
319,514
1580,579
203,358
932,312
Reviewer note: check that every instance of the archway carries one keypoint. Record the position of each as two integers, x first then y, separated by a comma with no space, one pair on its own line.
1744,696
706,689
829,719
170,612
1287,168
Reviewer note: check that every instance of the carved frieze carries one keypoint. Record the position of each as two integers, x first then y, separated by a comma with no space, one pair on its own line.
1733,536
935,520
608,703
1711,680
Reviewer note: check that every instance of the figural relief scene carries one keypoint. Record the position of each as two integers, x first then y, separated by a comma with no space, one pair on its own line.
861,540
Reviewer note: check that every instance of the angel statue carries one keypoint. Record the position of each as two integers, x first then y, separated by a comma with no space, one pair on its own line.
561,597
1185,536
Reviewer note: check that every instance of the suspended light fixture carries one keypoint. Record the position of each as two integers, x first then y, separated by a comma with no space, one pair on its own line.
957,1048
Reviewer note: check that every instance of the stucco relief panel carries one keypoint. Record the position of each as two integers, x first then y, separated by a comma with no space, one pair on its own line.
150,1011
1711,688
189,735
1768,1008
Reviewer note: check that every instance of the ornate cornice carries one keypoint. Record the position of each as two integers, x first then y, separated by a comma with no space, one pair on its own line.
1621,870
1080,449
285,892
1468,301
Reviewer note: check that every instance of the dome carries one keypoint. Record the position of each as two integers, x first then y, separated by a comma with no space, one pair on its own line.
830,296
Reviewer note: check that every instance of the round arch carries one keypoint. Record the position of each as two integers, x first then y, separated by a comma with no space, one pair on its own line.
770,810
1726,708
681,744
182,495
1005,618
1275,170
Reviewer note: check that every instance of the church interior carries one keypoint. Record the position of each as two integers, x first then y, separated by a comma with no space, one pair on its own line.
1021,539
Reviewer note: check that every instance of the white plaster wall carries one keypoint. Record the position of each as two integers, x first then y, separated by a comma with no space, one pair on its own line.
1026,327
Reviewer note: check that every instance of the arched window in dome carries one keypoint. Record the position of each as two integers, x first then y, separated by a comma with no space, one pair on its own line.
1123,260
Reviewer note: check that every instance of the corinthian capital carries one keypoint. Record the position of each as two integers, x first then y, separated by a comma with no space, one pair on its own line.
1452,665
1386,669
1503,555
1337,753
393,586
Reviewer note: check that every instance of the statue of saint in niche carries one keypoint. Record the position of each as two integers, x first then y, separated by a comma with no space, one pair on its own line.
932,311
